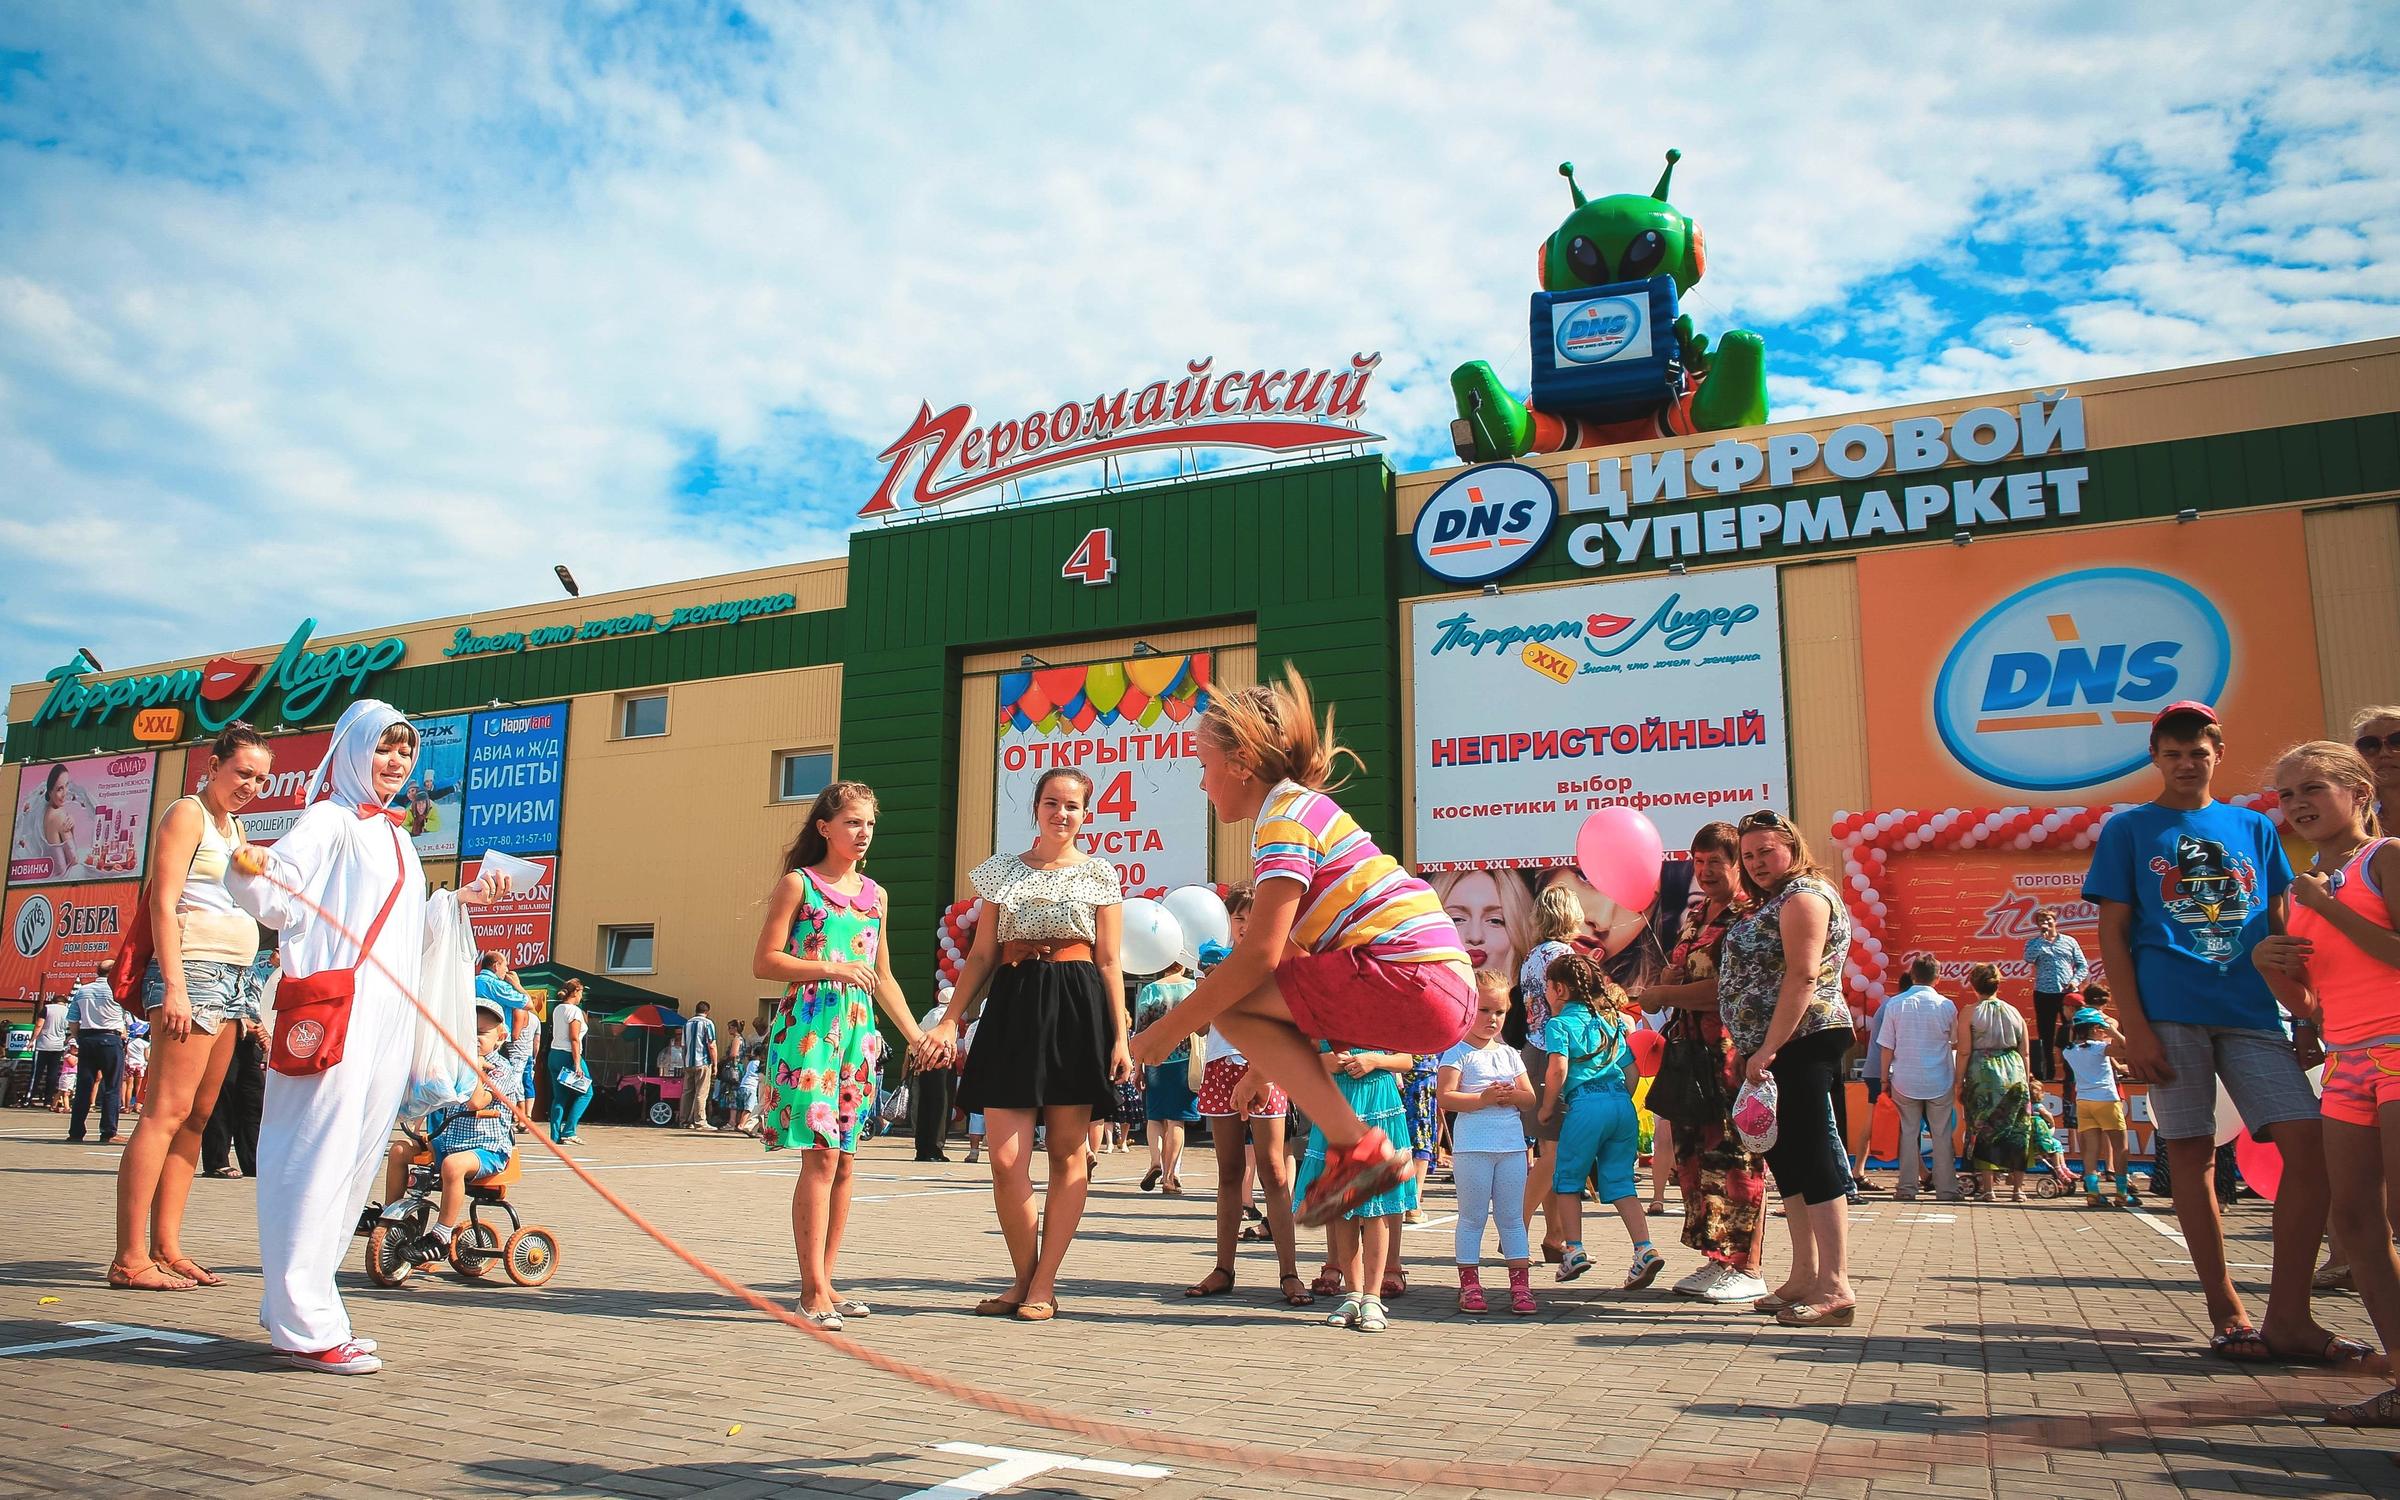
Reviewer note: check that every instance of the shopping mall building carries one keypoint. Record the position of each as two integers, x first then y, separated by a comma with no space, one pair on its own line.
1933,633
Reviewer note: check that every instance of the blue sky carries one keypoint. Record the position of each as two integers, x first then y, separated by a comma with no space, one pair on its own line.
374,312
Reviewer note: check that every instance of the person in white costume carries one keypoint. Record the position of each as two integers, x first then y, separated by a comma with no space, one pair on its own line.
321,1135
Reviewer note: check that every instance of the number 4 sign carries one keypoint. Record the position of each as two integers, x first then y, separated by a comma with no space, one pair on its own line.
1095,559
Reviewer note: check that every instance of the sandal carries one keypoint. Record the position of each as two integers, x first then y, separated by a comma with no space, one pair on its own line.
1255,1234
1368,1166
1395,1284
2244,1345
152,1277
2379,1410
191,1270
226,1172
1802,1315
1328,1282
1370,1317
1036,1312
1207,1286
1553,1254
997,1307
2336,1351
1295,1291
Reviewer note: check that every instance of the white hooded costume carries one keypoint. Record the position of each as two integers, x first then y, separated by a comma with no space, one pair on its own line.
322,1138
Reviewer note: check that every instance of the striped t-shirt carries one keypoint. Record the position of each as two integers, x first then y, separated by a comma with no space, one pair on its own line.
1358,896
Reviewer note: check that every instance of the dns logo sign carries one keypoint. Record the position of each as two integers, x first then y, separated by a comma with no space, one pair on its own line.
1598,332
2055,688
1488,522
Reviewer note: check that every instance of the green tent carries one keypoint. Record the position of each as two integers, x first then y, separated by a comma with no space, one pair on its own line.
602,995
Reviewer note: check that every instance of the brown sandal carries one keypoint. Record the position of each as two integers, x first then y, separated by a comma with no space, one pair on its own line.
2379,1410
997,1307
1295,1291
1209,1286
133,1281
192,1271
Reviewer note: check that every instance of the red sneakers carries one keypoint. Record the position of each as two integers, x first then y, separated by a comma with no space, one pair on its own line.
1369,1166
353,1358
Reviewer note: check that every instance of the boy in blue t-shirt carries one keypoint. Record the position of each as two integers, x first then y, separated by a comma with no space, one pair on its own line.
2187,887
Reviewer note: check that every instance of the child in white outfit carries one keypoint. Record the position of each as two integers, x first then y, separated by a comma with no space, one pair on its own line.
1482,1081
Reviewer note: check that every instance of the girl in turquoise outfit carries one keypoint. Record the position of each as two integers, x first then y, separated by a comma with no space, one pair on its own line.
823,940
1364,1244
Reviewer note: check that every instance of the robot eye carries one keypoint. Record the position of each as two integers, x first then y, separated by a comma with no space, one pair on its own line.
1643,255
1588,263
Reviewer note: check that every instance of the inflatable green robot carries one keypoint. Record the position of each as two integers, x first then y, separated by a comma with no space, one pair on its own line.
1611,276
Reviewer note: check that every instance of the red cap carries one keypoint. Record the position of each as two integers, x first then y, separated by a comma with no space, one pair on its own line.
2197,710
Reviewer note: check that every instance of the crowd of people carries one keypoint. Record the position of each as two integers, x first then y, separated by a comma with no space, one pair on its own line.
1340,1049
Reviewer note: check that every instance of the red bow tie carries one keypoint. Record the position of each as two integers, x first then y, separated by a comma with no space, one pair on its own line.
365,812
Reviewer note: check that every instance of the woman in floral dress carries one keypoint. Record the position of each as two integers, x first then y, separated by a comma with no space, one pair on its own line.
823,939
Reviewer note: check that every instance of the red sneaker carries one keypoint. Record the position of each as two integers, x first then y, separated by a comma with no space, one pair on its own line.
1369,1166
352,1358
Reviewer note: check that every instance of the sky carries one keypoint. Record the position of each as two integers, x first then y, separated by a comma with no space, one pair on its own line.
373,312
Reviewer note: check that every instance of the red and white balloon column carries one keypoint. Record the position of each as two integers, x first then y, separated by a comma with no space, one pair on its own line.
1868,840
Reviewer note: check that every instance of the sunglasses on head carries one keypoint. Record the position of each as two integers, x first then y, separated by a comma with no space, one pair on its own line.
1765,817
2376,744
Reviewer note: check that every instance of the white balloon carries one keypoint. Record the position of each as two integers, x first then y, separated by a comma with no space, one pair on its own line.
1152,937
1200,912
2229,1119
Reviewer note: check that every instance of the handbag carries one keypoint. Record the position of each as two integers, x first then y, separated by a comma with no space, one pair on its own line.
133,955
572,1082
1689,1090
312,1011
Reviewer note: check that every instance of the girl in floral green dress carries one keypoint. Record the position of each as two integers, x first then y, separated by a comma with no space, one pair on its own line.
823,939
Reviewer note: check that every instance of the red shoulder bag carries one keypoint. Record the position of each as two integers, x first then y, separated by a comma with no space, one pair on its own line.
312,1012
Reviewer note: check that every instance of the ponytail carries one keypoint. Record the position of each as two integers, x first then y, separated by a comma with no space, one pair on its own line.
1273,729
810,847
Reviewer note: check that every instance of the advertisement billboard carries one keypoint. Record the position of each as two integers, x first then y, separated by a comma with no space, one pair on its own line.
82,819
1130,726
521,922
2026,670
433,800
56,936
1533,710
516,765
270,814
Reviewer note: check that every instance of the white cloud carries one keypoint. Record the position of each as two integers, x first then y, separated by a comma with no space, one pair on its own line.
378,312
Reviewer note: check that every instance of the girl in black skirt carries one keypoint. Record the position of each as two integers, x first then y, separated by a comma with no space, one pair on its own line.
1045,980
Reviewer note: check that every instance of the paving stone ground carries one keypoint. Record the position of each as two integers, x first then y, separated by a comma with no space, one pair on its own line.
2002,1351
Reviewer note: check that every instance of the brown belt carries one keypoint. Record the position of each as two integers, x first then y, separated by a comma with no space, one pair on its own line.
1069,951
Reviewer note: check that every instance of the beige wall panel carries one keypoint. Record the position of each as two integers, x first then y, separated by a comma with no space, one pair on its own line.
2354,582
169,785
682,831
2313,385
813,586
979,705
1825,695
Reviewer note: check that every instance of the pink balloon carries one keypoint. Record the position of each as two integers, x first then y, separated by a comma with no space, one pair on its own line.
2261,1164
1618,851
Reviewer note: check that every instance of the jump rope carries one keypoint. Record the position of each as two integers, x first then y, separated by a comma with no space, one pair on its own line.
1554,1478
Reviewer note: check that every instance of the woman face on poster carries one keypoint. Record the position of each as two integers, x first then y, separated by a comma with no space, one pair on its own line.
1493,913
1607,924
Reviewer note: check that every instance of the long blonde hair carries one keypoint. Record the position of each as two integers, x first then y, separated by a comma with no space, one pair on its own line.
2340,765
1272,729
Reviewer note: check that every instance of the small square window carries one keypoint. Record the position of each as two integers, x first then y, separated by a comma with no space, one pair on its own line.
642,718
626,950
801,774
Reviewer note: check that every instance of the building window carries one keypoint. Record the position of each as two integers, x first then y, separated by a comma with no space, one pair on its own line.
801,774
643,717
626,950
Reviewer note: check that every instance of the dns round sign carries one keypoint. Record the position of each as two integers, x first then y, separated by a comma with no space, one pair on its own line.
2054,688
1486,523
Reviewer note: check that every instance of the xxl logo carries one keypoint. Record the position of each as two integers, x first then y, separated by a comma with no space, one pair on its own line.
1486,523
2055,687
32,930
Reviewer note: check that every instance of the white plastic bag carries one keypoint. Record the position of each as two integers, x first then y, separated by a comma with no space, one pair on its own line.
1754,1114
437,1076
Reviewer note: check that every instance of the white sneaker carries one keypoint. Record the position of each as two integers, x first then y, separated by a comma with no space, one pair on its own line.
341,1359
1734,1286
1700,1282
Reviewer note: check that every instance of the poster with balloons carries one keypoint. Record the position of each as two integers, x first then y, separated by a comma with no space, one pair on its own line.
1130,726
1531,709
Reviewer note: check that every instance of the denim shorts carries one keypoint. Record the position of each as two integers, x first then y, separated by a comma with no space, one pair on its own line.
218,992
2261,1075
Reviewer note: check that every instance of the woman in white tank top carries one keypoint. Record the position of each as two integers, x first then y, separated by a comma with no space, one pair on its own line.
195,985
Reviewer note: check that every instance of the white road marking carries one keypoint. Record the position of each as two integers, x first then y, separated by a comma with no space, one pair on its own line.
2159,1225
1433,1223
1013,1466
110,1333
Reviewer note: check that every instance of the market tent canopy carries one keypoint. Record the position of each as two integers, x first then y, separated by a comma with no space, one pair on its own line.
600,993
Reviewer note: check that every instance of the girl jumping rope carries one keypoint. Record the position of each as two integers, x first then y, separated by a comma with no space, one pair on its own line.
2340,963
1343,944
